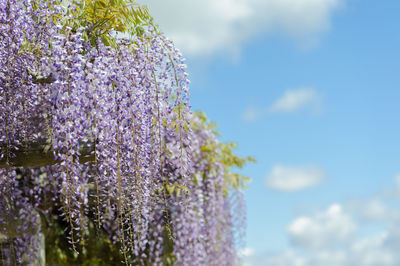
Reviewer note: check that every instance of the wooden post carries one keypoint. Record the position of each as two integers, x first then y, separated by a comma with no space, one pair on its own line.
33,154
39,153
37,256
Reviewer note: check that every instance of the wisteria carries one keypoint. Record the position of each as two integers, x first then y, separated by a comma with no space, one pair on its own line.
128,157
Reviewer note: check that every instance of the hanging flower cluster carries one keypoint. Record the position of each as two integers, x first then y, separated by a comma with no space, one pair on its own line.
128,157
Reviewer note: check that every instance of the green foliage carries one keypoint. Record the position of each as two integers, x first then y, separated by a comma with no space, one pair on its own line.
97,251
105,19
100,19
223,153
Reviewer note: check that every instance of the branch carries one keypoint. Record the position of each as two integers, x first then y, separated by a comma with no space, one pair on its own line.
43,80
40,153
38,79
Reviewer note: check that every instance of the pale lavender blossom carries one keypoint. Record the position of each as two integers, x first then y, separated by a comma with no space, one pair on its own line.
150,185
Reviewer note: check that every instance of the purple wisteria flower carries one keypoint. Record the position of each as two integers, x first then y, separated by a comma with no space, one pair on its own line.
149,184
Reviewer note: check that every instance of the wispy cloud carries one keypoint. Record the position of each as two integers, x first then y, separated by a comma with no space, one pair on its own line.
294,100
370,210
291,179
336,236
373,250
291,101
398,183
323,230
245,252
253,114
206,27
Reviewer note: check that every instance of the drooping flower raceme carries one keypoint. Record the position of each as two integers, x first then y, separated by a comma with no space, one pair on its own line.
128,154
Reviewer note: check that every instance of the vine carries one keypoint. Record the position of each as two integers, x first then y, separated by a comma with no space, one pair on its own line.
130,165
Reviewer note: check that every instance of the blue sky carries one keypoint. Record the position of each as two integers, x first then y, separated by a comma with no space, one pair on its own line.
310,88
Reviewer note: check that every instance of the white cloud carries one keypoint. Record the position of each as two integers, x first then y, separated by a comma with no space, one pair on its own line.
208,26
328,258
370,210
252,114
398,183
290,179
394,191
372,250
335,236
379,255
246,252
325,229
287,258
293,257
293,100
